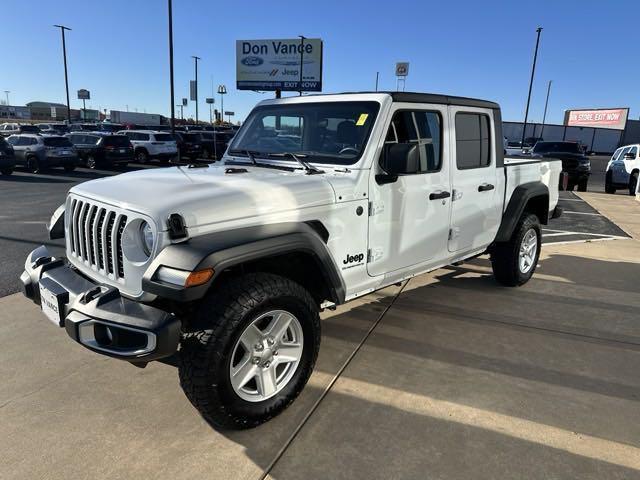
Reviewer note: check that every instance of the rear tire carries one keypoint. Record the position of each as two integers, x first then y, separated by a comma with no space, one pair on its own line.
33,165
510,267
633,182
142,156
90,162
608,183
210,349
6,171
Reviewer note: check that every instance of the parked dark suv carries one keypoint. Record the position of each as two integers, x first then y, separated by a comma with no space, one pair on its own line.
214,144
574,162
7,158
189,145
97,149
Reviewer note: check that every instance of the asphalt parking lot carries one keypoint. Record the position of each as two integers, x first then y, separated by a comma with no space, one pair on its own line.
447,376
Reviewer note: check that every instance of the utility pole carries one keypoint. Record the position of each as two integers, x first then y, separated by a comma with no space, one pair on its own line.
181,111
302,39
66,76
377,74
533,71
196,95
7,92
173,112
546,104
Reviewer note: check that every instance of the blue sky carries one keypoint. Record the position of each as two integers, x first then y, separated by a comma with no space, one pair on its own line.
118,49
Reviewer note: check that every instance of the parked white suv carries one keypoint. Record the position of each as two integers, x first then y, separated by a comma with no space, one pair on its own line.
228,265
622,169
149,144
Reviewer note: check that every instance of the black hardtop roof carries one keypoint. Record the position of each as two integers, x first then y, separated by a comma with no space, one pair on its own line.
437,98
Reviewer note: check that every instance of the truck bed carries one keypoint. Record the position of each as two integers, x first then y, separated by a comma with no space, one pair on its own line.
524,169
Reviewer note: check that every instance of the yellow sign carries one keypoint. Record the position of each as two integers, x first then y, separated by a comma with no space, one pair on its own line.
362,119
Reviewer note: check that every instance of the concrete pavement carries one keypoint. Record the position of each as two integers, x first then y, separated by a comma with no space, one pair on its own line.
461,378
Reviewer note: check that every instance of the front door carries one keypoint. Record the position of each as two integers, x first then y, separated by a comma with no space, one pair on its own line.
409,218
475,206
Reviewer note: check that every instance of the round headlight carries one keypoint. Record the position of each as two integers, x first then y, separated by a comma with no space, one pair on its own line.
146,235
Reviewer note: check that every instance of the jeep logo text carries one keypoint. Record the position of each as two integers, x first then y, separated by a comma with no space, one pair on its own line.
353,258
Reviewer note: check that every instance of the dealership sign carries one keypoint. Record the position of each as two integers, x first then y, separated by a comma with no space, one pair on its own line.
275,64
613,118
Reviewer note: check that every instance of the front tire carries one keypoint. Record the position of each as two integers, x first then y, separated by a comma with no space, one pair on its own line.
249,350
33,165
142,156
633,182
6,171
582,185
608,183
90,162
515,261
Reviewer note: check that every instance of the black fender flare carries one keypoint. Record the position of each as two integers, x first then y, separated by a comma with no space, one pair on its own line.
520,197
230,248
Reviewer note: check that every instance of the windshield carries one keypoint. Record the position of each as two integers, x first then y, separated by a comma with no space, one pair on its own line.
565,147
329,132
29,128
57,142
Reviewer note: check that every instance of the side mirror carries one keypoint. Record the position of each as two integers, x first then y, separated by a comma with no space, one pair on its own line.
398,159
629,156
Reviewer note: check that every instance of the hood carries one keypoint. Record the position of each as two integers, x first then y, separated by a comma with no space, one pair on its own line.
209,195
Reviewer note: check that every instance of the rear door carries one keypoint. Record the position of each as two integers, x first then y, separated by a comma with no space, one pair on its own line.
619,172
409,218
475,206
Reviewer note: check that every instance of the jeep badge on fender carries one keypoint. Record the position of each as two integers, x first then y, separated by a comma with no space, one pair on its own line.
238,293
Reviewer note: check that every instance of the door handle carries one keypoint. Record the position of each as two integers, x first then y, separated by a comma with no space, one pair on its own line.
485,187
439,195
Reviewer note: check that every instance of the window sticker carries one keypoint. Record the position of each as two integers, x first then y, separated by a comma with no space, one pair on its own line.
363,118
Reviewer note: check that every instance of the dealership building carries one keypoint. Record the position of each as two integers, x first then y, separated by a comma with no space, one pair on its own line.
600,130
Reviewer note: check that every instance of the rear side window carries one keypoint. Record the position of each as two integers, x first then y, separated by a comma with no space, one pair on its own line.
616,154
30,128
633,150
115,141
473,146
163,137
57,142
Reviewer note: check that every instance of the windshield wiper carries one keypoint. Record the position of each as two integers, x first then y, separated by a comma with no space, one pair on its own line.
310,169
249,153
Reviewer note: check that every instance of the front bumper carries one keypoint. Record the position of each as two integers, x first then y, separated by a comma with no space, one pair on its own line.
56,161
97,316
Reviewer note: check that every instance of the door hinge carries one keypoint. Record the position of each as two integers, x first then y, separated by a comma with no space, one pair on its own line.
454,233
374,254
375,208
456,195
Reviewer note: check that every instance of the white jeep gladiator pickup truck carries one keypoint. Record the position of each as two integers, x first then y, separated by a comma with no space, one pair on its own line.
317,201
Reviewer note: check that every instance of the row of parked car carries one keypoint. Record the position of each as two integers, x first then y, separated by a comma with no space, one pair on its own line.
53,147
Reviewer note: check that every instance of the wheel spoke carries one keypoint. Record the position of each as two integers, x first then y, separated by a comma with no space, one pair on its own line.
266,381
278,326
250,337
289,352
244,372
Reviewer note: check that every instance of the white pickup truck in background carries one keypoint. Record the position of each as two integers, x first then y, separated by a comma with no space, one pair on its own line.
318,200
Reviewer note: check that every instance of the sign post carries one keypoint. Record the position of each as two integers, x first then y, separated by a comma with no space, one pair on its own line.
210,101
293,65
84,95
402,70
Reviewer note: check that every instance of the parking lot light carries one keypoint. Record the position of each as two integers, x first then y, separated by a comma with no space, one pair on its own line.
173,112
196,85
66,76
533,71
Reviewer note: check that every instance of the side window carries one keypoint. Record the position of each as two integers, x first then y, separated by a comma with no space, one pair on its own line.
143,137
634,150
623,152
473,146
33,141
616,154
422,128
13,140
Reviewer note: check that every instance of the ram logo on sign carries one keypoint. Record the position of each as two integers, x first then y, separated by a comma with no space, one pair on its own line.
275,64
613,118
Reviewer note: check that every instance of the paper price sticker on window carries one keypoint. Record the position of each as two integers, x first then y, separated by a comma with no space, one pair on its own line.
363,118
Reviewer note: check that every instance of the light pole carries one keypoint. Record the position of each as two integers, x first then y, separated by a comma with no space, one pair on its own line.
533,71
196,92
222,90
7,92
173,112
302,39
181,111
66,76
546,104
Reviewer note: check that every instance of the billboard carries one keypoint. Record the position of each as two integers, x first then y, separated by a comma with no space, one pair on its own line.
83,94
613,118
275,64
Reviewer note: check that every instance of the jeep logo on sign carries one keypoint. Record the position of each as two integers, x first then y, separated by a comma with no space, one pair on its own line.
252,61
353,258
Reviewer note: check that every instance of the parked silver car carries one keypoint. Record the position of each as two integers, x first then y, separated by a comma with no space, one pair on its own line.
38,152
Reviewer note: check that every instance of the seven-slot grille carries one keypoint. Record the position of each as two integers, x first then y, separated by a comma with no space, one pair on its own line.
95,237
